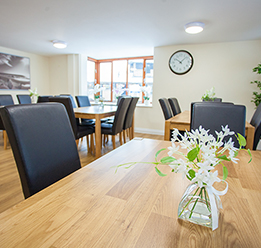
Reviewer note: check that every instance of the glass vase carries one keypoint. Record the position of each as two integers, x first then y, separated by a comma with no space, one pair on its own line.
195,206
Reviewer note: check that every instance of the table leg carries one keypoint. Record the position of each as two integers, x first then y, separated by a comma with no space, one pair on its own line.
167,130
98,136
250,133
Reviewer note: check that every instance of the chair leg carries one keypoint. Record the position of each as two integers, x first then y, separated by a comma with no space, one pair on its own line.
5,139
124,136
113,141
77,142
120,138
92,143
104,140
88,142
130,133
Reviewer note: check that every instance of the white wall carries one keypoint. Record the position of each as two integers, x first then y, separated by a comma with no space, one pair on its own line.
226,66
39,70
65,74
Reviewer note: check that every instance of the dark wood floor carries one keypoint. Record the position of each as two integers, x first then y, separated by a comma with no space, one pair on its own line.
10,187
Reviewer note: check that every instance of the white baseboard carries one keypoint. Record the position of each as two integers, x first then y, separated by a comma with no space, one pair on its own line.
148,131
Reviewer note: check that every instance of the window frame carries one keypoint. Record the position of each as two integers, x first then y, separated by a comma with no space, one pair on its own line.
97,70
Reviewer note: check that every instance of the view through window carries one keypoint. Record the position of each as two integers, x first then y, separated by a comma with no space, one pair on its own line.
119,77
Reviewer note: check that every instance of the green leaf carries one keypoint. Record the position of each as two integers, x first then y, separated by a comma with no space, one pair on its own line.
158,152
166,160
159,172
225,172
235,154
241,140
250,154
192,174
193,154
224,157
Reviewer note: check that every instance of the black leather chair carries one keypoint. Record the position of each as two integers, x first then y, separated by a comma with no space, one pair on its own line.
43,98
174,104
24,99
117,126
212,115
71,98
78,129
165,106
129,117
5,100
83,101
43,144
256,122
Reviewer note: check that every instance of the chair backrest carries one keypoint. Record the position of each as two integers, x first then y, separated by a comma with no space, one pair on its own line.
66,101
71,98
165,106
130,112
120,114
174,104
24,99
43,144
43,98
212,115
118,99
83,101
6,100
256,122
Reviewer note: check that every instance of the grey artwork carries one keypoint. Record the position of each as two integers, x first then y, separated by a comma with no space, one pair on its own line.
14,72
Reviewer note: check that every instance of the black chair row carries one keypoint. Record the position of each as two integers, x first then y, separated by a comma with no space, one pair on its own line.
43,141
170,107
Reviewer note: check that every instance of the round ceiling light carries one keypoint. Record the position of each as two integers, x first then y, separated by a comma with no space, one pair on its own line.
59,44
194,27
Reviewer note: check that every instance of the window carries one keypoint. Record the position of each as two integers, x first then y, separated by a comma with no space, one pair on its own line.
120,77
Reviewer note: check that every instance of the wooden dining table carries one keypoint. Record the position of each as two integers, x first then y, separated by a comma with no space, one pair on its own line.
96,112
135,207
182,122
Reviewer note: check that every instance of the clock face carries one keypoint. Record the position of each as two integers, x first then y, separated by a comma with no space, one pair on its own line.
181,62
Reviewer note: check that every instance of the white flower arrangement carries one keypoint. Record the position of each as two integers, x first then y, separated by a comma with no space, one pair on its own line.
33,92
146,90
118,90
209,95
203,152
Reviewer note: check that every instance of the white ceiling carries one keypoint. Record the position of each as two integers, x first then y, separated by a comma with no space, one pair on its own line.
121,28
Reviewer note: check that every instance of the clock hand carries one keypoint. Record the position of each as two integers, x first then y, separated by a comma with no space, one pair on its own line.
178,60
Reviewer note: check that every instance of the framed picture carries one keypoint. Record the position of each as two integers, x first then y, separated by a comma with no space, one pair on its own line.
14,72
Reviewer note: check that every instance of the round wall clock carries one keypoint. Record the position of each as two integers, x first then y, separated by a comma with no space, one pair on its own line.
181,62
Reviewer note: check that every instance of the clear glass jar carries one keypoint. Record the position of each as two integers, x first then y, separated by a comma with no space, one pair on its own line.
195,206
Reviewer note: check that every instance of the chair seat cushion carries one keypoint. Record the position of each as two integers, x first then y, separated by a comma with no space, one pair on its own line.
87,122
83,130
106,128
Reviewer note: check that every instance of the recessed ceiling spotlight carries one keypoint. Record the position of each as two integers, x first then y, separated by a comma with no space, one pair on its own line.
194,27
59,44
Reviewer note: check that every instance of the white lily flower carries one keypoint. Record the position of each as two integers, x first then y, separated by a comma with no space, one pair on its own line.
200,179
173,149
205,166
213,177
227,131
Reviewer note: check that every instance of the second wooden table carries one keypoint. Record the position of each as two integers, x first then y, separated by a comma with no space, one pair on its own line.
97,113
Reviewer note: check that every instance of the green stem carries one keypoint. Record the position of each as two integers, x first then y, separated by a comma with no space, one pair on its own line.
188,202
205,192
200,194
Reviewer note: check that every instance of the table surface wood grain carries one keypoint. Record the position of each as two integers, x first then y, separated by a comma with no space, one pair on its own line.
96,207
182,122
